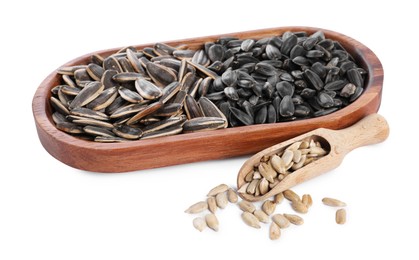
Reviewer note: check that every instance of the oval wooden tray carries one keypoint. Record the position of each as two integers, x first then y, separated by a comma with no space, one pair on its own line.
186,148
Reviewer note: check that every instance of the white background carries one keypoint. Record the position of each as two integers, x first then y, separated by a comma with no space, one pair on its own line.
51,211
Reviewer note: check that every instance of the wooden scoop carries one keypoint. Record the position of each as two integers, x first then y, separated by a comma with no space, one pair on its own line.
370,130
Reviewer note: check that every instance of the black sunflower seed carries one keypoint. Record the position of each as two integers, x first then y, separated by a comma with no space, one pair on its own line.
314,79
355,77
261,115
288,44
284,88
286,107
242,116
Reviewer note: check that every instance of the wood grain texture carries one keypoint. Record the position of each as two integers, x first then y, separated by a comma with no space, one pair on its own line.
370,130
192,147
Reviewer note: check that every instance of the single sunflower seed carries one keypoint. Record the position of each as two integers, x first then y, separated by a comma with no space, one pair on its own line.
199,223
281,221
268,207
261,215
246,206
212,222
294,219
212,204
232,195
197,207
278,198
291,195
218,189
307,200
333,202
274,231
341,216
221,200
250,219
299,207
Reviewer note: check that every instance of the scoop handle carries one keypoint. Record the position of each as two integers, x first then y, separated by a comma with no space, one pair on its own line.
371,129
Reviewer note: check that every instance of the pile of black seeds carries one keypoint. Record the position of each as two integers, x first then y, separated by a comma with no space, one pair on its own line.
283,78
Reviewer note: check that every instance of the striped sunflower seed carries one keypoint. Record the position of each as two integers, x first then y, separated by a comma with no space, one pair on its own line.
87,94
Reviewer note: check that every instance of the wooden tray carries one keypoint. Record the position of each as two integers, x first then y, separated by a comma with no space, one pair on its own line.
186,148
